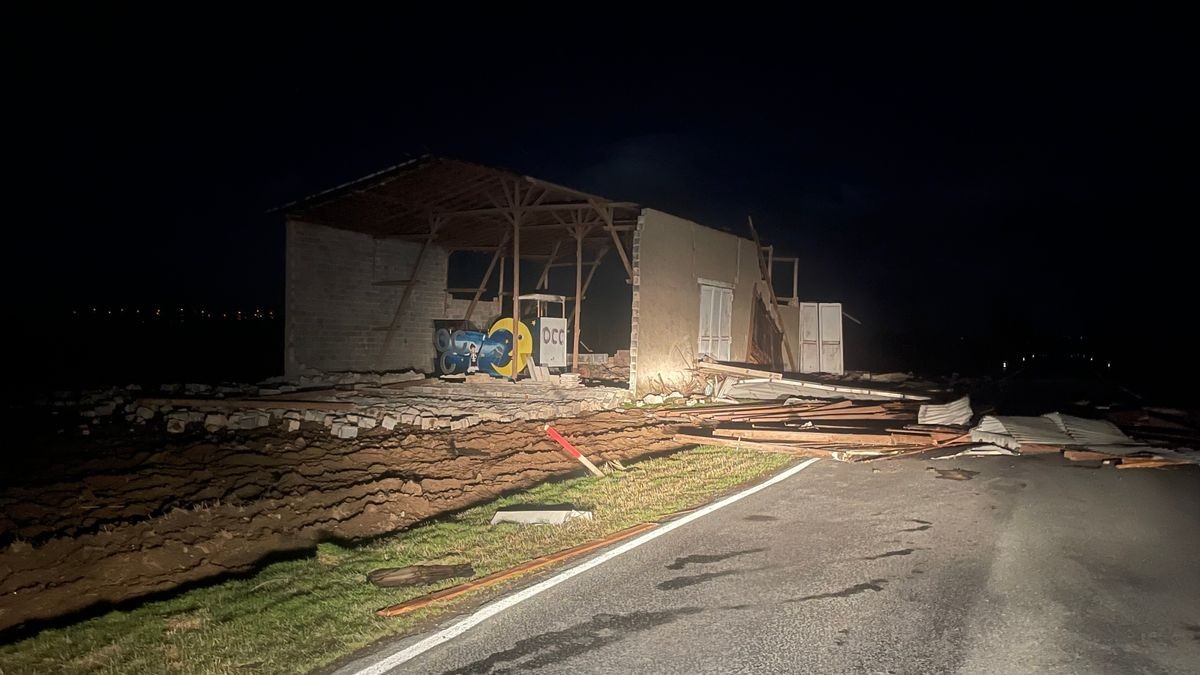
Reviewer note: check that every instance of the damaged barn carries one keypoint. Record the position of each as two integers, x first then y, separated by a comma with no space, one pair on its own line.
368,284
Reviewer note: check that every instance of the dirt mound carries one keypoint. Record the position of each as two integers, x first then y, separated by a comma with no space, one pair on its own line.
113,528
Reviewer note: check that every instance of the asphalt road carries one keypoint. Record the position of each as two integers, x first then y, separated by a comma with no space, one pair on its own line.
1031,565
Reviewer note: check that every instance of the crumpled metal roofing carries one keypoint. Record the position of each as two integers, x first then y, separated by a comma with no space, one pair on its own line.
1090,432
955,412
1050,429
1012,431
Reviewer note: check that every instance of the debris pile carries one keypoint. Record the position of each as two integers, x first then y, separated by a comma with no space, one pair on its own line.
605,367
727,381
124,518
861,431
345,404
1078,439
843,430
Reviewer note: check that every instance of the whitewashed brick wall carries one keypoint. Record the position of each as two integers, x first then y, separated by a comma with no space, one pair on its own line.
336,317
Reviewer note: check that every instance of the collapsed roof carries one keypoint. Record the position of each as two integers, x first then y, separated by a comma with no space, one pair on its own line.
466,206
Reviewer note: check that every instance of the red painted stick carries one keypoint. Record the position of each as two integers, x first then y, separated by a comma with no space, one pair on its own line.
566,445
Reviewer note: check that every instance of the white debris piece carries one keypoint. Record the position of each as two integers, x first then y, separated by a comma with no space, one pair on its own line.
532,514
955,413
343,430
215,422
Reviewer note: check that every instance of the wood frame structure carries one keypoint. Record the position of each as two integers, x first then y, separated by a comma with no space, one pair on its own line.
463,206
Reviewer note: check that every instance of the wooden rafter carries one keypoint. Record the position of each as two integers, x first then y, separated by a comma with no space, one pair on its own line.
764,269
606,215
544,280
487,276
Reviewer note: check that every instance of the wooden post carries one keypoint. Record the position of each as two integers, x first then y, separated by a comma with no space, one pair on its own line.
607,215
592,272
773,301
500,288
796,279
579,232
516,281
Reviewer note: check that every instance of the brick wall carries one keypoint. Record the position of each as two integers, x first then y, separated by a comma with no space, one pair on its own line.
337,317
636,307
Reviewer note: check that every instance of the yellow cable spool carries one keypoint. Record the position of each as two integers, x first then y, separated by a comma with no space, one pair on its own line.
524,346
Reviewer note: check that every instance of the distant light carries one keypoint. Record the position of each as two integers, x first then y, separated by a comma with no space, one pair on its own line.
1091,358
1022,359
1110,364
1004,365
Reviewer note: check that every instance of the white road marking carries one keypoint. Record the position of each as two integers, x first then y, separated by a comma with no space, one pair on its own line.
488,611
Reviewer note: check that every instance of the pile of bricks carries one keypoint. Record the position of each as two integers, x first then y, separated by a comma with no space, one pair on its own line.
347,404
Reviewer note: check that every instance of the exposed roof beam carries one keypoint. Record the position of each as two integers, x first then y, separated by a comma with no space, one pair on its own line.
567,206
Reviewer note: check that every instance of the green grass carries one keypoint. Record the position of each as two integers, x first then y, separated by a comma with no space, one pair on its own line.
301,614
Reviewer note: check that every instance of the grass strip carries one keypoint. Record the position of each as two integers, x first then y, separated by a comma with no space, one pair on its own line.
297,615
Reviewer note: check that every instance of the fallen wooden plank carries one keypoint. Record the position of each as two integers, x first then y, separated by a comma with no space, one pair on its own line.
491,579
417,575
226,403
805,436
724,369
1149,463
802,417
800,383
752,445
941,428
937,437
1039,449
1082,455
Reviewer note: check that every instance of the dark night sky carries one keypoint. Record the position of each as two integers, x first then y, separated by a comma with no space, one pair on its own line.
934,175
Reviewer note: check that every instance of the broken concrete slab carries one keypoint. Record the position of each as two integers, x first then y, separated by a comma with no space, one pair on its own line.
539,514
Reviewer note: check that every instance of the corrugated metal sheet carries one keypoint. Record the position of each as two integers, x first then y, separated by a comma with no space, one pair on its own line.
1034,430
1056,429
956,412
1089,432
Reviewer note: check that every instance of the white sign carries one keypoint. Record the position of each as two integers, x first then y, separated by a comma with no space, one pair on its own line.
552,341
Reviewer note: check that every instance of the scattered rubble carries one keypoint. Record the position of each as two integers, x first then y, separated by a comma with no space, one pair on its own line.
862,431
125,517
341,401
731,381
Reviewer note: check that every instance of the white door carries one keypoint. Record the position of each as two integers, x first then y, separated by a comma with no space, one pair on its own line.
716,319
810,338
831,338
